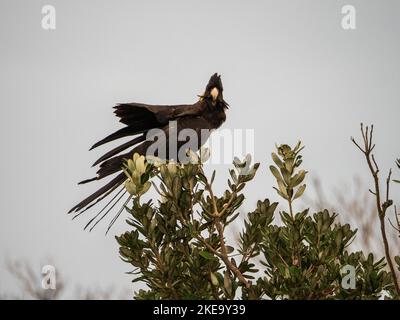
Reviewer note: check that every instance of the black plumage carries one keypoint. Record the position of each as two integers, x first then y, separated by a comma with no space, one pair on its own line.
207,113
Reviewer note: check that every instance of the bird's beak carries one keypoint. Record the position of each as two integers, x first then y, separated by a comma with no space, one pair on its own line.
214,93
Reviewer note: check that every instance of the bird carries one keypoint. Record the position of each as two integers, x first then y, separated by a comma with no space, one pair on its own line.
139,120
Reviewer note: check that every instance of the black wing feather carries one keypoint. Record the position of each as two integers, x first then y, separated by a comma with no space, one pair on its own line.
138,118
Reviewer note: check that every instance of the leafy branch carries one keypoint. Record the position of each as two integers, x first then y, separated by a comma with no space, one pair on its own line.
178,243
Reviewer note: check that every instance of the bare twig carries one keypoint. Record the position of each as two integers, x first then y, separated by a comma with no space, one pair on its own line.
381,207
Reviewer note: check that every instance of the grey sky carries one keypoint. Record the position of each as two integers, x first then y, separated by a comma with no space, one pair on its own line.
289,70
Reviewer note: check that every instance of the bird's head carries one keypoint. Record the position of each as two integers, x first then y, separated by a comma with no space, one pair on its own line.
214,91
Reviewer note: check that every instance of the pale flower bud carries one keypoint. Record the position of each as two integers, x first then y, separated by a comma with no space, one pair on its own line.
172,168
204,154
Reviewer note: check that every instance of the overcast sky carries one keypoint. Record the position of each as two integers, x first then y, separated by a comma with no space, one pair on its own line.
290,71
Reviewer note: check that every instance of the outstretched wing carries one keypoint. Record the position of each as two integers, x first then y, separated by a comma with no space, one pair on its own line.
131,113
139,117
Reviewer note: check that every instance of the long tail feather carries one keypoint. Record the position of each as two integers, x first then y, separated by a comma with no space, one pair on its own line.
118,180
138,118
114,164
107,212
118,214
120,148
104,208
88,180
123,132
97,201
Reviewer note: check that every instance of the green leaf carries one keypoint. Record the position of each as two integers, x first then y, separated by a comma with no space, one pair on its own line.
298,178
297,147
281,194
229,249
282,188
397,259
212,177
276,159
207,255
276,173
299,191
227,283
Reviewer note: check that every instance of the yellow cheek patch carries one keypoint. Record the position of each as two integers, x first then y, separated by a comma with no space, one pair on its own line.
214,93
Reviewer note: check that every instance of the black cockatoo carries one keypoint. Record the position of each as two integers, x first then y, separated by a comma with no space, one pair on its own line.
206,114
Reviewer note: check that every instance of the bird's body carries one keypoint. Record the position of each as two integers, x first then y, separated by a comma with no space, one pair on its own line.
140,120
